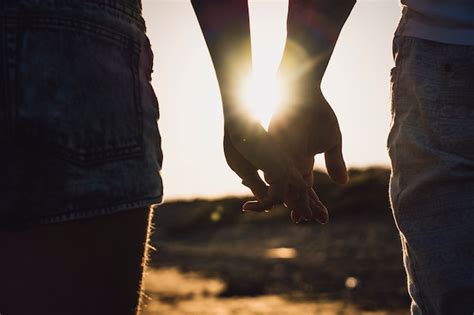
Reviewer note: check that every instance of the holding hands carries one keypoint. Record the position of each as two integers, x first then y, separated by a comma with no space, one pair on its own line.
285,154
304,127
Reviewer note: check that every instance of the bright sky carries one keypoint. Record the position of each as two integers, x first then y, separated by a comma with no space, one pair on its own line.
356,85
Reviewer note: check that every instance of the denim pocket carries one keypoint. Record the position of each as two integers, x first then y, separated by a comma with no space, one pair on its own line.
78,88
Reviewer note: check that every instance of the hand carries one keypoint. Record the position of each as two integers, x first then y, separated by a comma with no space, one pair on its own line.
304,130
248,148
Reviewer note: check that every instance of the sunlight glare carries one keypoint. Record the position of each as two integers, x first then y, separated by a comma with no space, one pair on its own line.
281,253
261,91
262,95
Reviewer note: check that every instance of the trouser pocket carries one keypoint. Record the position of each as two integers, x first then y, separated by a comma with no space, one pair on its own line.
78,88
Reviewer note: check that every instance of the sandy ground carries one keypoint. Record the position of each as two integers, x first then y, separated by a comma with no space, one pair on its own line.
171,292
210,258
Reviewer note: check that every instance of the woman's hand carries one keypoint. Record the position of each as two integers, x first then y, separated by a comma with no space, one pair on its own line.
249,148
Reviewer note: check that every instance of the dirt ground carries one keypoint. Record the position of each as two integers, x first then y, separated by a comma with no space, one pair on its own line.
172,292
210,258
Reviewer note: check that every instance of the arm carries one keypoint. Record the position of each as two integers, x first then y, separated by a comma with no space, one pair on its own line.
306,125
313,27
226,29
247,146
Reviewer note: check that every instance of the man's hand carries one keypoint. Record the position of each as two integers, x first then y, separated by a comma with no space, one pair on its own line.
303,131
307,126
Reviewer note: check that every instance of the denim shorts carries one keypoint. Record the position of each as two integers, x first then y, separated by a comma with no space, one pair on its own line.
78,115
431,145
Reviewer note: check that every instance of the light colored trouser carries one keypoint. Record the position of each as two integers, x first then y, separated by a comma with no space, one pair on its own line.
431,145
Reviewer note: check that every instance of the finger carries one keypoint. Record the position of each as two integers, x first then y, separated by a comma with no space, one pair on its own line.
256,185
335,165
259,148
264,153
249,175
267,196
299,214
258,206
318,209
298,181
276,191
298,203
295,216
260,191
294,179
237,162
306,169
245,170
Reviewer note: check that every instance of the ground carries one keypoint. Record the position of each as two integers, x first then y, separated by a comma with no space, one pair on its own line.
212,259
173,292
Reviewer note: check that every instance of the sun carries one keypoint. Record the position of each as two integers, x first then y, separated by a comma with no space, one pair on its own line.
262,91
262,94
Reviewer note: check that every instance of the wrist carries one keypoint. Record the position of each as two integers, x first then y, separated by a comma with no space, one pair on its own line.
309,104
239,126
302,73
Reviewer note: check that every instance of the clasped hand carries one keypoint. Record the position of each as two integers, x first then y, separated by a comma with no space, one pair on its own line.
286,154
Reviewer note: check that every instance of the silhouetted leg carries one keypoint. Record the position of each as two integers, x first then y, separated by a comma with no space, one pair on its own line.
431,145
90,266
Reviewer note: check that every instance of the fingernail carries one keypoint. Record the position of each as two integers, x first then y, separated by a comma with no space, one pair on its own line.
323,222
293,217
323,218
247,206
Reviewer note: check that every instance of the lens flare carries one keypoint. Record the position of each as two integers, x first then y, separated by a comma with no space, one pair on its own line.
262,94
281,253
261,91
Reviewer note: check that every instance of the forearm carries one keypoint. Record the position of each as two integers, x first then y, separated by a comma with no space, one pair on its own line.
313,28
226,29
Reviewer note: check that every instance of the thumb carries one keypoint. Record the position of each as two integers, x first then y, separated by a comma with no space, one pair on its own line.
335,164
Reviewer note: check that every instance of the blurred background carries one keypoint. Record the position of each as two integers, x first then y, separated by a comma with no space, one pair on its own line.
212,259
